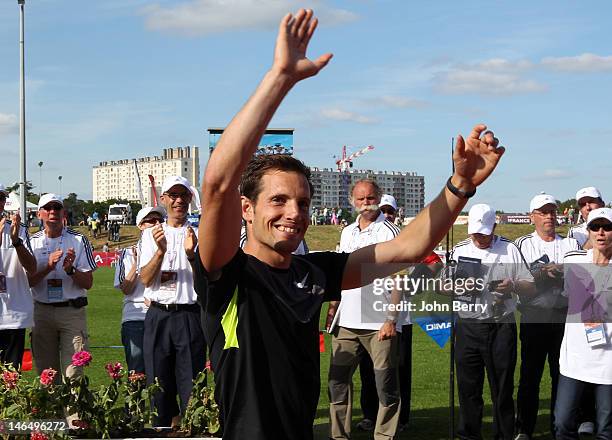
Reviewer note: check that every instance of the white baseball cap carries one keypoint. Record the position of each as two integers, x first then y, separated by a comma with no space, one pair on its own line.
48,198
541,200
481,219
148,210
600,213
3,189
175,180
589,191
389,200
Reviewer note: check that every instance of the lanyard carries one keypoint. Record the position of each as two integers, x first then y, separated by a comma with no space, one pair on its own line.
177,239
61,242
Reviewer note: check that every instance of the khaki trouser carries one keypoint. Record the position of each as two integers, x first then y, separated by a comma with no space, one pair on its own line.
58,333
348,345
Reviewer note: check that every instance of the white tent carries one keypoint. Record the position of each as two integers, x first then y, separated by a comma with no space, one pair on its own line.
12,203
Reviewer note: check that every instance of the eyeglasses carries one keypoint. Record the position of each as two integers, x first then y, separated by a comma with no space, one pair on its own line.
595,228
184,195
53,207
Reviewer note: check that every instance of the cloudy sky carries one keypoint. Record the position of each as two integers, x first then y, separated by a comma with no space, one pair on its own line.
118,79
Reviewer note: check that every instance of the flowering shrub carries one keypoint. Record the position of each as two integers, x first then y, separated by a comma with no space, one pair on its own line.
202,413
121,408
117,409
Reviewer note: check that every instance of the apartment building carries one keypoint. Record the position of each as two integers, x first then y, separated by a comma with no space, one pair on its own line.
115,179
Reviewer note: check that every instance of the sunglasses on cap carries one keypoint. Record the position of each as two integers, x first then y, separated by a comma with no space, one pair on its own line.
53,207
596,227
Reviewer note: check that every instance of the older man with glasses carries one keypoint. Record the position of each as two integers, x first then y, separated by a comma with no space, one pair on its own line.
128,281
15,297
64,274
174,344
542,315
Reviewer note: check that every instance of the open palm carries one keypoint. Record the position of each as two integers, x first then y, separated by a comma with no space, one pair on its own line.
291,45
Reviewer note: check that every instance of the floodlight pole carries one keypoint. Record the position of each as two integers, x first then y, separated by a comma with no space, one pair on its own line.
40,164
451,375
22,148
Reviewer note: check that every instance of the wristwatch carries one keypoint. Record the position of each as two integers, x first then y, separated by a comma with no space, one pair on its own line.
18,242
391,318
458,192
71,271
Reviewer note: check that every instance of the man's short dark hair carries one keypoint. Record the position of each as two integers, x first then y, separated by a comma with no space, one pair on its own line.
250,183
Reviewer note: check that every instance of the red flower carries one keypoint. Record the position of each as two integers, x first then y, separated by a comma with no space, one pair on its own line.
81,358
34,410
10,379
80,424
136,377
47,376
114,370
37,435
208,366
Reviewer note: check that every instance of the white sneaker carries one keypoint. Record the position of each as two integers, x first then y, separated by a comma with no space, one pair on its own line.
586,428
522,436
366,425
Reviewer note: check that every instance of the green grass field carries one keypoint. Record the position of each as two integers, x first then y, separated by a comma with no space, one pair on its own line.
430,392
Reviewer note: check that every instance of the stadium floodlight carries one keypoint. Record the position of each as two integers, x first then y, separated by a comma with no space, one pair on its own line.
22,146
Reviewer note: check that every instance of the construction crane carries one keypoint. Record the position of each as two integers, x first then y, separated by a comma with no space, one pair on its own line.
344,164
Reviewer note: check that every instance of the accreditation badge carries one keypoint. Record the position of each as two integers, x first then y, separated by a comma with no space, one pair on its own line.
595,333
55,290
168,285
2,283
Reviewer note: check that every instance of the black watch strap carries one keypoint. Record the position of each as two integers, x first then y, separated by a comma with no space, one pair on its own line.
71,271
459,193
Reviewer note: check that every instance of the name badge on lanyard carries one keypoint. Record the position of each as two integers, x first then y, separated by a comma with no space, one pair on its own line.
55,291
168,285
595,333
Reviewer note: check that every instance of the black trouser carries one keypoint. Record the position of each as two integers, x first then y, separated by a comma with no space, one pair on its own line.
538,342
369,397
12,342
174,353
481,346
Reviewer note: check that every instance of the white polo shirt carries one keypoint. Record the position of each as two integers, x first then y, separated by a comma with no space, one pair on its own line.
580,233
499,261
84,261
533,248
16,303
578,360
349,312
134,308
174,265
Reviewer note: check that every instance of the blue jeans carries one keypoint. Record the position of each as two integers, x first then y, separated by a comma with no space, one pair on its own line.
132,333
569,397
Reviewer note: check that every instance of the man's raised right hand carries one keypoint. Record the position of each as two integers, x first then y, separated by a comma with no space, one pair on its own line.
291,44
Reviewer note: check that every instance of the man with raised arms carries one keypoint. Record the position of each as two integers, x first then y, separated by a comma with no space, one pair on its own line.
261,305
